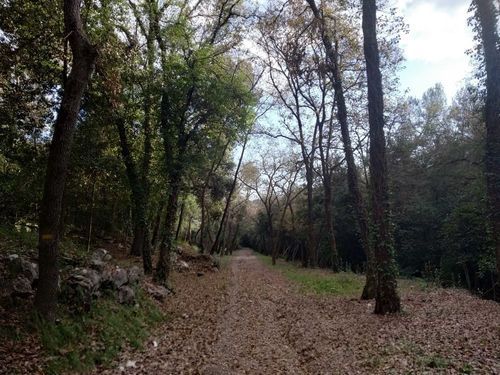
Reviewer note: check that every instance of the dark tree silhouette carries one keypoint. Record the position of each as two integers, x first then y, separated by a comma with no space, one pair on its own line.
387,299
488,21
84,57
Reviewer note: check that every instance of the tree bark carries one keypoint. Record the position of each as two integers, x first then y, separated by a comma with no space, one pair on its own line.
488,21
181,218
140,191
167,244
215,165
369,289
387,299
156,228
84,57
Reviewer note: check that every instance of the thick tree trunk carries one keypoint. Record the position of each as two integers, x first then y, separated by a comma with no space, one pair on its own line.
369,289
230,195
84,57
387,299
167,244
489,25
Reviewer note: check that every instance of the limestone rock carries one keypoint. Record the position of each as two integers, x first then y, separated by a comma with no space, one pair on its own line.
126,295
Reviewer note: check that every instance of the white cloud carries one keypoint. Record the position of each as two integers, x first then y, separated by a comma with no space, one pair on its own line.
436,43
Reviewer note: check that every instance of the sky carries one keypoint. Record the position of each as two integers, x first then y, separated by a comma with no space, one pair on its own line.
435,45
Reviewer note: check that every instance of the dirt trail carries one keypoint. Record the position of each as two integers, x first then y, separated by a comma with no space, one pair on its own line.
248,319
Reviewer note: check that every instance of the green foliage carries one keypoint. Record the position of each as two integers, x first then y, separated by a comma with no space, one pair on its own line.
78,343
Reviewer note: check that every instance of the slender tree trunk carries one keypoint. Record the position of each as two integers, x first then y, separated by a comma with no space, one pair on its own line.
369,289
91,215
84,57
230,195
327,191
187,237
309,257
156,228
138,210
181,218
215,165
387,299
203,221
488,20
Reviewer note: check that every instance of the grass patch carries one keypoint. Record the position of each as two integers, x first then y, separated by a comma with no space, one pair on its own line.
319,281
323,281
79,343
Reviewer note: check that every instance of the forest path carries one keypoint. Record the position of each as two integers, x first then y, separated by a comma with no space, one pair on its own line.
252,339
249,319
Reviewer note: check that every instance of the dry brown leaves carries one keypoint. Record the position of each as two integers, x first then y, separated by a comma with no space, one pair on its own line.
249,320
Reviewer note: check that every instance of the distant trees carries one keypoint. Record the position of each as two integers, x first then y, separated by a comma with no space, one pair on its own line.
333,63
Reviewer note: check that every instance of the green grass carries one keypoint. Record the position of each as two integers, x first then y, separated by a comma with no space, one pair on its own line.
318,281
322,281
79,343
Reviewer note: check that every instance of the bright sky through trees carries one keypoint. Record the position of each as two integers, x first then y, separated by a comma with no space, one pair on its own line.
435,47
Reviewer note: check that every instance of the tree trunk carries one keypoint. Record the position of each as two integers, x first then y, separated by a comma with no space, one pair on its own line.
369,289
139,188
156,229
387,299
84,57
167,244
488,21
91,215
308,255
327,187
230,195
181,218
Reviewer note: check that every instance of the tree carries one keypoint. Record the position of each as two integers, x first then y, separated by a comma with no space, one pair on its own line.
213,94
387,299
332,56
216,244
487,15
84,57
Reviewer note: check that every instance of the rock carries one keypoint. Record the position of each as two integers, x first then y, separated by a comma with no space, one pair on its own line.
115,278
97,264
130,364
134,275
158,292
183,266
126,295
18,266
85,278
80,288
101,254
21,287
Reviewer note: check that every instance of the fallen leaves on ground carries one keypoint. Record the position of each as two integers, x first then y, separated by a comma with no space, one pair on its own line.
248,319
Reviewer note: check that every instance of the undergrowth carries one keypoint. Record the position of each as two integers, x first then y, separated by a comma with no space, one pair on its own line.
79,343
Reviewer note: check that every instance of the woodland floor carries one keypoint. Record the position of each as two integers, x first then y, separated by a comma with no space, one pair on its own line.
250,319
